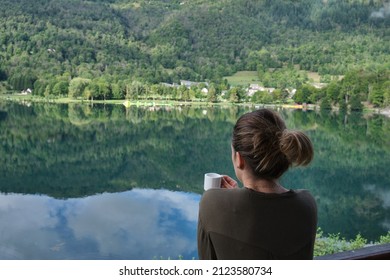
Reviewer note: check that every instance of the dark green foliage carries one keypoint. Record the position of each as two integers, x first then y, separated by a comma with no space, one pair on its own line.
325,104
304,93
77,150
3,75
358,86
355,103
166,41
343,106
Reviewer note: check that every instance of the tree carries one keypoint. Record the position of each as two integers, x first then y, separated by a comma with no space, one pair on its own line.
3,75
48,91
325,103
191,93
180,94
185,95
263,97
386,94
343,107
333,91
279,95
212,94
352,84
61,88
134,90
92,91
117,91
303,94
233,95
77,87
355,103
104,89
89,92
40,87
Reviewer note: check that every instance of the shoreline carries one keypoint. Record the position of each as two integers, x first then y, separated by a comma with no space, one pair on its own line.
172,103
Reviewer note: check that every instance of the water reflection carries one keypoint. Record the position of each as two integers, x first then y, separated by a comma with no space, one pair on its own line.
384,197
136,224
74,152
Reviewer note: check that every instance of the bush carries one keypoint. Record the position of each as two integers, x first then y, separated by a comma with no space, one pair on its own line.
384,239
333,243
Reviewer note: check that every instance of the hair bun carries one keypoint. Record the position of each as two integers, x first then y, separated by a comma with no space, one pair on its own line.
297,147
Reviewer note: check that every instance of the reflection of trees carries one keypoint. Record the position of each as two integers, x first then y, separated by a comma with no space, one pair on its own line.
69,151
79,150
351,152
79,114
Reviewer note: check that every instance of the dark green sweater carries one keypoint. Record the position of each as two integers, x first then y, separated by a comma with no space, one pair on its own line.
245,224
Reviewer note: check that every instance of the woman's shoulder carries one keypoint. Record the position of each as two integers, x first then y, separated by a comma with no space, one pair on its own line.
221,193
306,197
303,193
217,205
218,197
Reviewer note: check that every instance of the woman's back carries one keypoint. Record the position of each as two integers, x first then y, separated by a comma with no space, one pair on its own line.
245,224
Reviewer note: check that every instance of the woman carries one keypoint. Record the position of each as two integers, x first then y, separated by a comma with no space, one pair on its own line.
262,220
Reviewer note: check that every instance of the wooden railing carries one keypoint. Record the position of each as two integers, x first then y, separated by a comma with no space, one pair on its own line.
375,252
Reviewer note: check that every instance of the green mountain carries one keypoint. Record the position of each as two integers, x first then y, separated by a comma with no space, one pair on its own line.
45,42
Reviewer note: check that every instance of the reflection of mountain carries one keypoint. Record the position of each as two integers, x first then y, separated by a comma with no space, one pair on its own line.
77,151
137,224
3,115
351,153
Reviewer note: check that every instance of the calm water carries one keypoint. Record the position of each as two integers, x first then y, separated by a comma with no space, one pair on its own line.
106,182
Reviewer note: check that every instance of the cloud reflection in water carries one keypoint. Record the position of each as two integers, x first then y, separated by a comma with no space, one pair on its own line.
137,224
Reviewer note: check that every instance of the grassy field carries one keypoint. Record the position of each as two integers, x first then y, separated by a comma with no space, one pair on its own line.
29,99
314,76
243,78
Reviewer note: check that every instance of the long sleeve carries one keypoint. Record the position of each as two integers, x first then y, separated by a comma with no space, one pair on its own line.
205,246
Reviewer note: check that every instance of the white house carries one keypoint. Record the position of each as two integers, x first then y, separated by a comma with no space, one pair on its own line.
253,88
26,92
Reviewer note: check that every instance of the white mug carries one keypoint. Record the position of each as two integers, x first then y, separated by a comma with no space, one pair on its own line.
212,181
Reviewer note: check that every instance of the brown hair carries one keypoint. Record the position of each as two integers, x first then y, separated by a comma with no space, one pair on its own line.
262,139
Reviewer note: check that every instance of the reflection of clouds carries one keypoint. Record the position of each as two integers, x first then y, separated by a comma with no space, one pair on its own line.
24,221
386,224
383,195
185,202
382,12
137,224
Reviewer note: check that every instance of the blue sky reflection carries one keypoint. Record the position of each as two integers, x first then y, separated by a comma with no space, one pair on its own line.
137,224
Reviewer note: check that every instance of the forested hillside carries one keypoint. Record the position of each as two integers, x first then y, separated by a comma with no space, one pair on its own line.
105,48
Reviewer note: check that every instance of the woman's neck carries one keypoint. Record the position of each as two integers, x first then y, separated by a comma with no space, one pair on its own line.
264,185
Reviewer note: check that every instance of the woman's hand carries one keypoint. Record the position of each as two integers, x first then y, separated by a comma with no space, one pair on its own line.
228,183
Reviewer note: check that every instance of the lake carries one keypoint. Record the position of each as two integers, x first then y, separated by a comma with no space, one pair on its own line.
108,182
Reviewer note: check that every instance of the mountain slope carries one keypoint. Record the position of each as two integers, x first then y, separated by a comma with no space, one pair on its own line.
155,41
